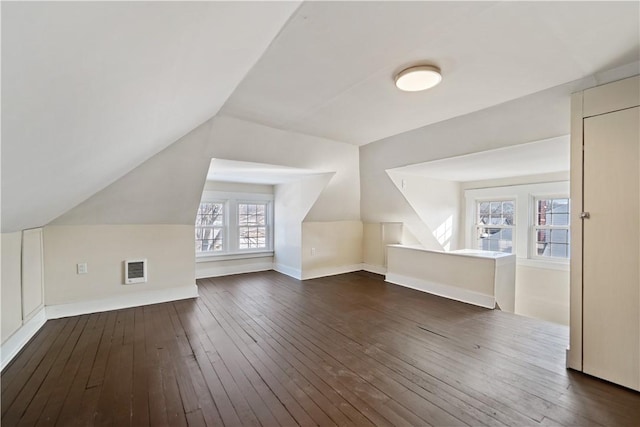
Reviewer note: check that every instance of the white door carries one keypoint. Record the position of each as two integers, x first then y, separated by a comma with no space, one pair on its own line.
611,247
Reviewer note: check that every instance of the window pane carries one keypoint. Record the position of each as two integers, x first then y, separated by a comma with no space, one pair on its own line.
507,212
542,242
552,212
553,243
559,219
483,212
559,250
209,239
252,213
496,208
252,237
495,239
560,205
559,236
210,214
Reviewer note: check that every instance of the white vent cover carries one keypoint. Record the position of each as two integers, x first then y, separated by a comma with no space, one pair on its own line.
135,271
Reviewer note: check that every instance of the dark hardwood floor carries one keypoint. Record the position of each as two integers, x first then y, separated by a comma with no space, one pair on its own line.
265,349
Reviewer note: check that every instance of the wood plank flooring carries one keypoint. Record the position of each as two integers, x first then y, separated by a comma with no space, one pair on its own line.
266,350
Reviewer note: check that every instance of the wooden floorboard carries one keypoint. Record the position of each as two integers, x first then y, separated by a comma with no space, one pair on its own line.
264,349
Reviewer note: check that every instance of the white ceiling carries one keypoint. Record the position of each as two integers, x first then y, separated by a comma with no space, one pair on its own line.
256,173
92,89
540,157
330,71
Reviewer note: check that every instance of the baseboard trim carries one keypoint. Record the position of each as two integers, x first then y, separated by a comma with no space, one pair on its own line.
228,270
136,299
330,271
446,291
12,346
377,269
289,271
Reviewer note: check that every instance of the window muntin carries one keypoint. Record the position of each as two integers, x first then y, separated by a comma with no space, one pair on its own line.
252,226
210,227
495,225
551,227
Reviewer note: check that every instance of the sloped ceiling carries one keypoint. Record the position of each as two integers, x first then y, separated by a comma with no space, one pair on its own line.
92,89
330,72
534,158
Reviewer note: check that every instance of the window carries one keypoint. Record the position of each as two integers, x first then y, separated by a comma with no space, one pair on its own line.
495,225
252,225
551,228
528,220
210,226
234,224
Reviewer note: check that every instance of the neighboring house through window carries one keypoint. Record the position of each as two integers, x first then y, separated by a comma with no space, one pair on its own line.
495,225
529,220
551,227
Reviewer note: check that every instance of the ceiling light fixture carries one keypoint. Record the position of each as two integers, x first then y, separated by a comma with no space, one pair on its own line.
421,77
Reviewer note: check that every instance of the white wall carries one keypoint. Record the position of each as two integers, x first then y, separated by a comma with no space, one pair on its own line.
542,286
331,247
167,188
11,284
22,305
516,180
169,250
375,238
437,204
543,293
504,125
472,279
32,274
500,126
292,203
236,139
225,267
238,187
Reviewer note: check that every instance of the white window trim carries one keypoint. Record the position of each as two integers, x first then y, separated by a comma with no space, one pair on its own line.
231,200
523,195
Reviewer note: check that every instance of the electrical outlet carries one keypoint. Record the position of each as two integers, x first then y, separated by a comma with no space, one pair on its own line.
82,268
313,251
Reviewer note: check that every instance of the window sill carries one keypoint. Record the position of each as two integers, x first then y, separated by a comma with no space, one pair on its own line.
227,256
561,265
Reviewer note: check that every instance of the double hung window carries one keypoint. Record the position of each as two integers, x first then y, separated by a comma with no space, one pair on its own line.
252,225
234,224
495,225
528,220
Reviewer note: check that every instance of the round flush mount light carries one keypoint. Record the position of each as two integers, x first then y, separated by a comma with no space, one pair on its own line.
421,77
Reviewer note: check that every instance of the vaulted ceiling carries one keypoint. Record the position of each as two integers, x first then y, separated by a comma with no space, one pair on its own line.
90,90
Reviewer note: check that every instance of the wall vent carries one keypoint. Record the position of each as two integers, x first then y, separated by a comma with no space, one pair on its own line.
135,271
